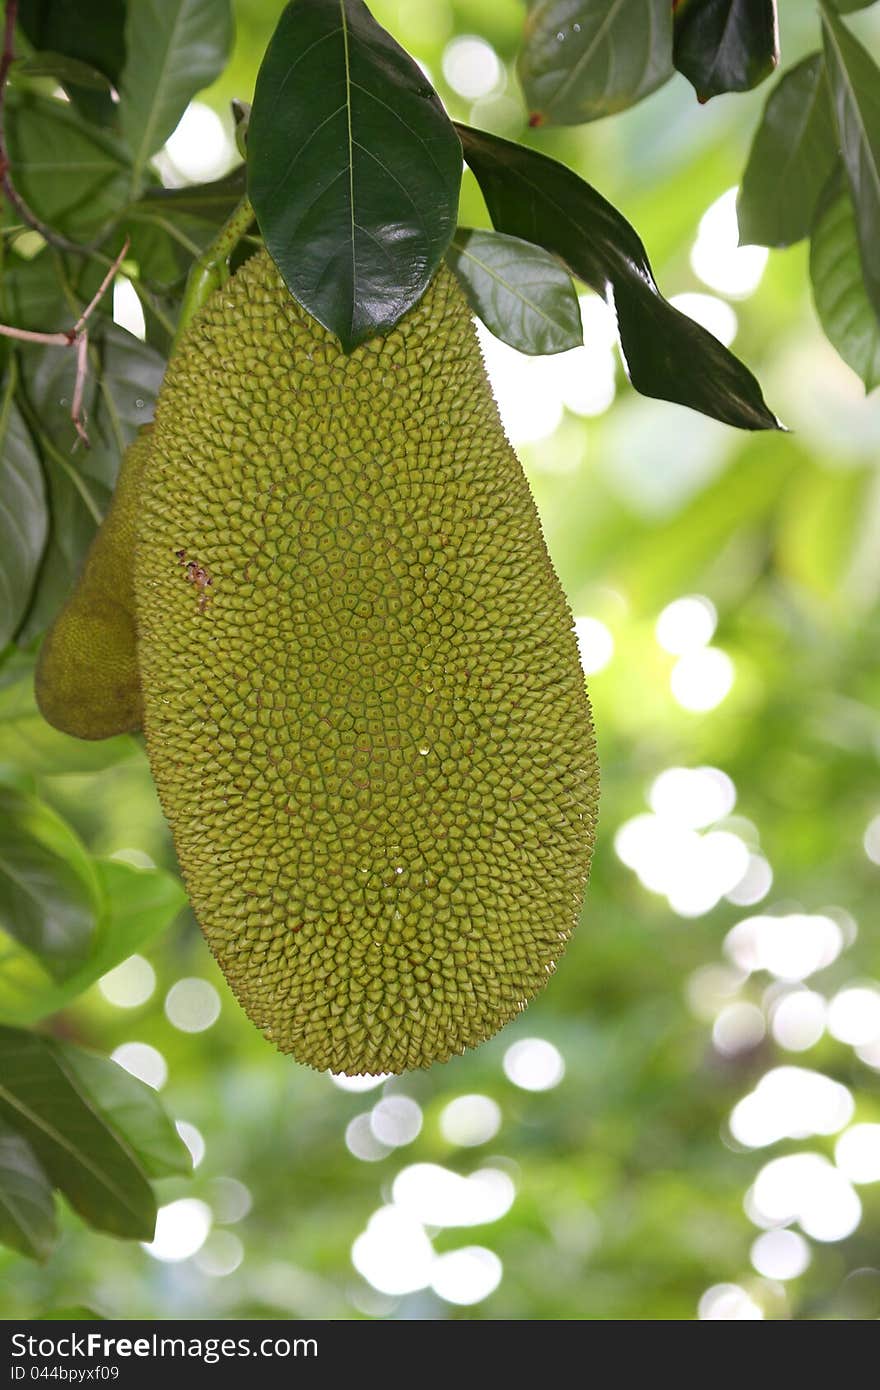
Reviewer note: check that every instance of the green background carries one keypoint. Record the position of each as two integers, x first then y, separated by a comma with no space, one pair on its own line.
630,1190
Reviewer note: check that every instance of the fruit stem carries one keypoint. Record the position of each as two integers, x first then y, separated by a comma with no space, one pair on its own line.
211,269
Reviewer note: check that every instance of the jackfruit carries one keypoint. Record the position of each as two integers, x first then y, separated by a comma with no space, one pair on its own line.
363,704
87,680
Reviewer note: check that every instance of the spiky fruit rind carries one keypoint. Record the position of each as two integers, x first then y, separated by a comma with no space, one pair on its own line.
368,727
87,680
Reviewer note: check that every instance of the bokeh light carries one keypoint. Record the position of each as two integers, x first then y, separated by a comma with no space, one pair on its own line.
854,1015
791,1103
797,1019
700,680
470,1120
199,148
466,1276
692,797
686,624
181,1230
718,259
393,1253
807,1188
728,1303
221,1254
192,1005
595,644
471,66
713,314
857,1153
534,1064
437,1196
194,1140
738,1028
127,308
130,984
791,946
780,1254
361,1141
144,1062
396,1121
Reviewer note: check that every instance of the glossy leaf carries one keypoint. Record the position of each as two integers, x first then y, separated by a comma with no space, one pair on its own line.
854,79
71,72
50,897
175,48
91,32
354,168
41,1098
792,156
725,45
842,303
27,1207
133,1110
141,904
582,59
24,519
72,172
667,354
522,294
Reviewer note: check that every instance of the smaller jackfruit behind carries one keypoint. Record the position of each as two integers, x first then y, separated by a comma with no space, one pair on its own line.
87,680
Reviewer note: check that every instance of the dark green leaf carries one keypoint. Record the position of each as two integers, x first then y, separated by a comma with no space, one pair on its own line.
845,311
41,1099
24,518
208,202
855,92
29,745
792,155
50,895
89,31
582,59
725,45
69,71
169,227
667,354
73,175
850,6
175,48
354,168
523,295
141,904
133,1110
27,1207
32,297
123,381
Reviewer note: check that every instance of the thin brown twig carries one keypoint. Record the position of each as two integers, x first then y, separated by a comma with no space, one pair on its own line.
102,288
13,197
78,337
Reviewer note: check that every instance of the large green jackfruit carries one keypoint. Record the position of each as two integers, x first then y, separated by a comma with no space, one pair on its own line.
363,704
87,679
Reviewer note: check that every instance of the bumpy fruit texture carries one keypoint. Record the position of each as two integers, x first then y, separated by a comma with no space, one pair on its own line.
364,708
87,679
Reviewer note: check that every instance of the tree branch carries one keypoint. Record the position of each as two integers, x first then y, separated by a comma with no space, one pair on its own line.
77,337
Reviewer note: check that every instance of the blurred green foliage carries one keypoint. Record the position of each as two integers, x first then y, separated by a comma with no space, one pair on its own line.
629,1186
